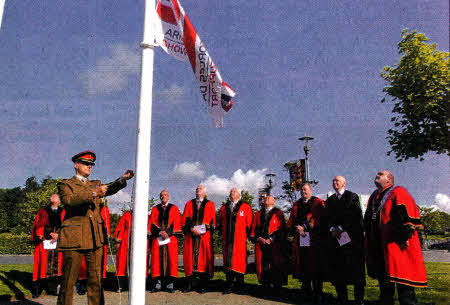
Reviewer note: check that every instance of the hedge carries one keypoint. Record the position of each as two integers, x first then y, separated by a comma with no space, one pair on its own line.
15,244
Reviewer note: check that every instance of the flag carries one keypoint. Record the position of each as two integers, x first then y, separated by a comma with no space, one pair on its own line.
177,36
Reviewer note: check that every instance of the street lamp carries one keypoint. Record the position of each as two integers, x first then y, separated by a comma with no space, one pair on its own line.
306,150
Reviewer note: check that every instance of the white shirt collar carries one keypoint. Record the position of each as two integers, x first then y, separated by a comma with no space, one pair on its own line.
339,193
81,178
268,209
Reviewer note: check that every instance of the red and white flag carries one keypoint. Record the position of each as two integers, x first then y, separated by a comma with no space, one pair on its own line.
177,36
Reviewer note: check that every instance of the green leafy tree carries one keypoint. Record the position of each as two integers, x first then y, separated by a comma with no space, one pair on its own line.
36,198
434,221
418,85
9,206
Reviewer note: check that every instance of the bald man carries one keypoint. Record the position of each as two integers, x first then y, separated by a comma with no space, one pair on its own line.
198,224
394,255
343,217
165,229
47,262
235,220
269,235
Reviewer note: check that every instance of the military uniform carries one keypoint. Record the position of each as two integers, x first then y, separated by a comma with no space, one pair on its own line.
83,234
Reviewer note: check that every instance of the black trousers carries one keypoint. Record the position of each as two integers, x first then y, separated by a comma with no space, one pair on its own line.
234,278
341,290
406,294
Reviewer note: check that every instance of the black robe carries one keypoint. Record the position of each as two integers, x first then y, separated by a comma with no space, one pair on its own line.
344,264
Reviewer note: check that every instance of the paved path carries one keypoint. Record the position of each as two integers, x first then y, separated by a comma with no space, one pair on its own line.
429,256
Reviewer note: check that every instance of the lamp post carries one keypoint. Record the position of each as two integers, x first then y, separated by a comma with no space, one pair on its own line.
306,150
270,185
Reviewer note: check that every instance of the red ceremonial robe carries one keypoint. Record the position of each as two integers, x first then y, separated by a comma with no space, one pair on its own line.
235,228
38,234
270,259
305,260
164,260
198,253
391,219
104,212
122,233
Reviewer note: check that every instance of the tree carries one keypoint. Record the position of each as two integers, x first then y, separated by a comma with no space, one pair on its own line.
418,85
9,205
434,221
36,198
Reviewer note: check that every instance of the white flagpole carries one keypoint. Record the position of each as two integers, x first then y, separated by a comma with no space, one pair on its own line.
141,192
2,6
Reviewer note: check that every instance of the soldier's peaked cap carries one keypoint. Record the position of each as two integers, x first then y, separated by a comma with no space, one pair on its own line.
85,156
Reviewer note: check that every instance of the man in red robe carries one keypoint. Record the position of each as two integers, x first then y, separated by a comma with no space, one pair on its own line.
198,221
47,262
235,220
122,237
393,251
81,284
269,234
304,221
165,227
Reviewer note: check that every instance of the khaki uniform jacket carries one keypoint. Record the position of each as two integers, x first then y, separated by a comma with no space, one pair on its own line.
83,227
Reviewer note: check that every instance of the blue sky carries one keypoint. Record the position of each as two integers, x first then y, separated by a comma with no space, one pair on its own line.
70,81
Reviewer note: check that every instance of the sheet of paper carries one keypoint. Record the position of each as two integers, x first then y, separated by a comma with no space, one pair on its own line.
49,244
162,241
201,228
304,240
344,239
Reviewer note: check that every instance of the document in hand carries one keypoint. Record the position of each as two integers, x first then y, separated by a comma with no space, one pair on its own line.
344,239
49,244
304,240
201,228
162,242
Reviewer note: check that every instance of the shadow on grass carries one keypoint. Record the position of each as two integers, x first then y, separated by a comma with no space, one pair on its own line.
10,279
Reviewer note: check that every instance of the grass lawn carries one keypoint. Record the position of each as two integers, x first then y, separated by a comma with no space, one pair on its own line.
15,283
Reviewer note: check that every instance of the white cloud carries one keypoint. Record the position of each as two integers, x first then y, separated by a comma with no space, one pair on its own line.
118,201
112,72
442,202
187,170
219,188
173,94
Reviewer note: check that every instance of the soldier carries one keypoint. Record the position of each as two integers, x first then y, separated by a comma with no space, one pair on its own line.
83,232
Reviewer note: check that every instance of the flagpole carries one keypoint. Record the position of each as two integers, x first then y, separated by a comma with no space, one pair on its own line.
138,255
2,6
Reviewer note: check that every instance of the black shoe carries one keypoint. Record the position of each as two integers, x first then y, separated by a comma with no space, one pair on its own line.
154,289
170,290
35,290
317,299
201,290
187,288
81,287
226,290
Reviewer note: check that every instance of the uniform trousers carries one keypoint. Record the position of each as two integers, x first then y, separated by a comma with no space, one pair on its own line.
70,269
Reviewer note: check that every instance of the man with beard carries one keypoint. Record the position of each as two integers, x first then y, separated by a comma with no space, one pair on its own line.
199,221
269,234
165,226
346,241
304,222
394,255
83,233
47,262
235,220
